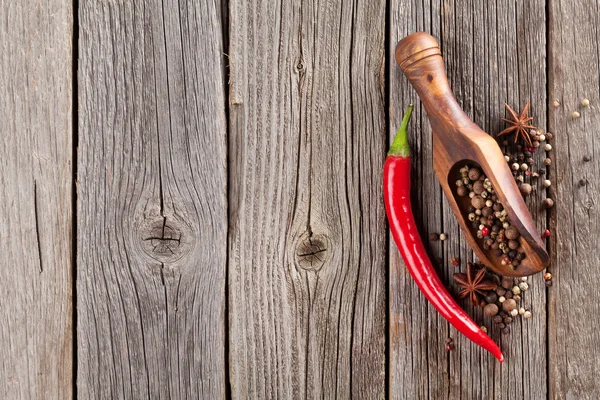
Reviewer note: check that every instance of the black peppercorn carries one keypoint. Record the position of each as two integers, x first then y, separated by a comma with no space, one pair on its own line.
497,319
507,320
501,325
434,236
491,297
548,283
587,158
582,182
506,330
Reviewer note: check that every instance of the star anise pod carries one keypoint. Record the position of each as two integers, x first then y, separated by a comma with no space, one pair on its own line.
519,125
473,284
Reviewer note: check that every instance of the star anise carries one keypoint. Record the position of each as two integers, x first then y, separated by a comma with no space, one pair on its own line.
473,284
519,125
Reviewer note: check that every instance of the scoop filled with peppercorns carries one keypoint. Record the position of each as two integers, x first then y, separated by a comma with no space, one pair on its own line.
487,216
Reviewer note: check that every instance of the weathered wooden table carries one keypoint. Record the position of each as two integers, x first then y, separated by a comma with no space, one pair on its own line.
192,202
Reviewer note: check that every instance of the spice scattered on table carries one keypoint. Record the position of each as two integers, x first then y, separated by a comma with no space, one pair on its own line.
500,297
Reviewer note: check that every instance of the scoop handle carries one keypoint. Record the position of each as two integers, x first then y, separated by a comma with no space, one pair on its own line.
420,58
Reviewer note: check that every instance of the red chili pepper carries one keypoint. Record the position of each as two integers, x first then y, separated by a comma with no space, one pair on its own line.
396,181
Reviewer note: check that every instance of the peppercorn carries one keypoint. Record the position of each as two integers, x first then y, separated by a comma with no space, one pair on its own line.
514,312
523,286
434,236
542,138
508,294
507,320
548,283
525,188
509,305
548,147
455,262
502,299
516,290
478,202
527,314
555,104
587,158
515,166
548,161
506,330
500,291
491,297
503,314
517,298
575,115
461,191
449,346
547,276
501,325
483,329
549,135
585,102
506,282
474,174
497,319
546,233
443,236
490,310
511,233
548,203
541,172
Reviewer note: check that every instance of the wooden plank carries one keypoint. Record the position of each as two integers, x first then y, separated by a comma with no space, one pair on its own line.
152,219
574,74
36,215
307,290
494,54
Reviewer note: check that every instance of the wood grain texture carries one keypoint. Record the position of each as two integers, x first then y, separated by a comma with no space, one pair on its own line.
36,214
152,219
307,252
494,53
574,74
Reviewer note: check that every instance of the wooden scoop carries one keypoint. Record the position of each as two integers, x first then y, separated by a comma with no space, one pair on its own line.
458,141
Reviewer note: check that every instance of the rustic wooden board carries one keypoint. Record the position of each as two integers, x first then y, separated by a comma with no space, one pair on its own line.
574,74
503,60
152,204
36,215
307,253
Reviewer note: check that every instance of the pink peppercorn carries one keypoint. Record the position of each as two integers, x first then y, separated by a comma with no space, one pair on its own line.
546,233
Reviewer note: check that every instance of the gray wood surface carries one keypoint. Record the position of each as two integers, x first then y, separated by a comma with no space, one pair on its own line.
494,53
36,167
573,300
307,253
234,244
152,203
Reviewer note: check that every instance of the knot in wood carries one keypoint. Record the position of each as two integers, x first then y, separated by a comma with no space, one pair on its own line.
312,251
163,240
